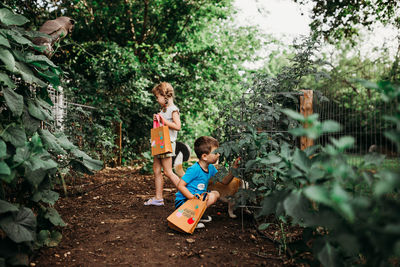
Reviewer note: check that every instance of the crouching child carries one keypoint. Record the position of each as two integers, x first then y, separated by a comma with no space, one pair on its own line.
196,178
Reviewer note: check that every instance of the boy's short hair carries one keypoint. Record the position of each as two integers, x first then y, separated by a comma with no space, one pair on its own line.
204,144
165,89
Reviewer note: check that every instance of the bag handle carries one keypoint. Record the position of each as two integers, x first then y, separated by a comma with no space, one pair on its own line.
202,197
157,122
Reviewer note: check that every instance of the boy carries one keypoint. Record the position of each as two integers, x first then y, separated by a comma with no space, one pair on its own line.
196,178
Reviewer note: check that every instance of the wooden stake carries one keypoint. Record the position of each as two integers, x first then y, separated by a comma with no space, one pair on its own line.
306,109
118,142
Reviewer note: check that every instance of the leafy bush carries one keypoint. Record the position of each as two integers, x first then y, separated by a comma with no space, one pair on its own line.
348,214
30,155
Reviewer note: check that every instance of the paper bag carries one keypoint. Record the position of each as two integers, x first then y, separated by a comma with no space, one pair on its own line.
160,140
186,217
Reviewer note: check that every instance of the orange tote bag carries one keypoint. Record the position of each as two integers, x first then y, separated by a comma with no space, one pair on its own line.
186,217
160,140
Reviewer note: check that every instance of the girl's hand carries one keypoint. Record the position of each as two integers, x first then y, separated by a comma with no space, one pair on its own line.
162,120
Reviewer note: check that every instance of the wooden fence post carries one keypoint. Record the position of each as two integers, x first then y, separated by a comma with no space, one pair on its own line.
118,142
306,109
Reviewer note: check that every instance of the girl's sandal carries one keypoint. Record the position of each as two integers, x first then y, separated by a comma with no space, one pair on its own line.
154,202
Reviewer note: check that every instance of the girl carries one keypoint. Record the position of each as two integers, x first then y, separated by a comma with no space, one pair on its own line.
169,115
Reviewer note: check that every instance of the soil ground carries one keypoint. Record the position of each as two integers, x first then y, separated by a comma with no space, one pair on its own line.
109,226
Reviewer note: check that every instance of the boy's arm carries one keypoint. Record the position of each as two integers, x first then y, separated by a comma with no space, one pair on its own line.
228,178
183,189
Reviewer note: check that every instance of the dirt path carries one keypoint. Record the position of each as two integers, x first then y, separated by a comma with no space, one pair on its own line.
110,226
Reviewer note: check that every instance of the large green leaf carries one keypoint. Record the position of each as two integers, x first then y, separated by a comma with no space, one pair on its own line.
31,124
9,18
15,134
35,177
294,115
344,142
20,226
8,59
3,149
318,193
301,160
36,110
4,41
6,207
54,217
46,196
6,80
30,58
50,77
88,162
63,141
27,74
328,256
4,169
14,101
50,141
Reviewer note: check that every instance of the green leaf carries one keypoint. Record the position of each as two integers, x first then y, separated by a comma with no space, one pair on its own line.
373,159
8,178
50,77
15,135
36,110
14,101
301,160
328,256
263,226
6,207
30,58
8,59
4,169
330,126
51,142
343,143
21,40
64,142
3,149
294,115
4,41
6,80
46,196
88,162
9,18
35,177
27,74
49,239
54,217
20,226
318,194
388,182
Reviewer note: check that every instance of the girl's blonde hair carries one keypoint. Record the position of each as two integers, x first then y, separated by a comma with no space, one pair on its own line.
165,89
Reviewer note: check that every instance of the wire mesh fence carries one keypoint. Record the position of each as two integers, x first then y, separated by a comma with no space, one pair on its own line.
362,116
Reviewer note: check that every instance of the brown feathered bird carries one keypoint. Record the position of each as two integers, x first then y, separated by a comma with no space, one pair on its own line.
57,29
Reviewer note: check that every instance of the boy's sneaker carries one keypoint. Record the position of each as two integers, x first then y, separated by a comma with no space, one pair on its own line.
206,219
154,202
200,225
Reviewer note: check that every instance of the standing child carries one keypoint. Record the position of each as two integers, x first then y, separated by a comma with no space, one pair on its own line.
169,115
196,178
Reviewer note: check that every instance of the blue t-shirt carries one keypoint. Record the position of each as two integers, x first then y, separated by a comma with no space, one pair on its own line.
196,179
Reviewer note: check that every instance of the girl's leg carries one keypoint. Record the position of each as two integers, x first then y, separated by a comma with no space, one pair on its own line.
158,178
167,166
213,196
